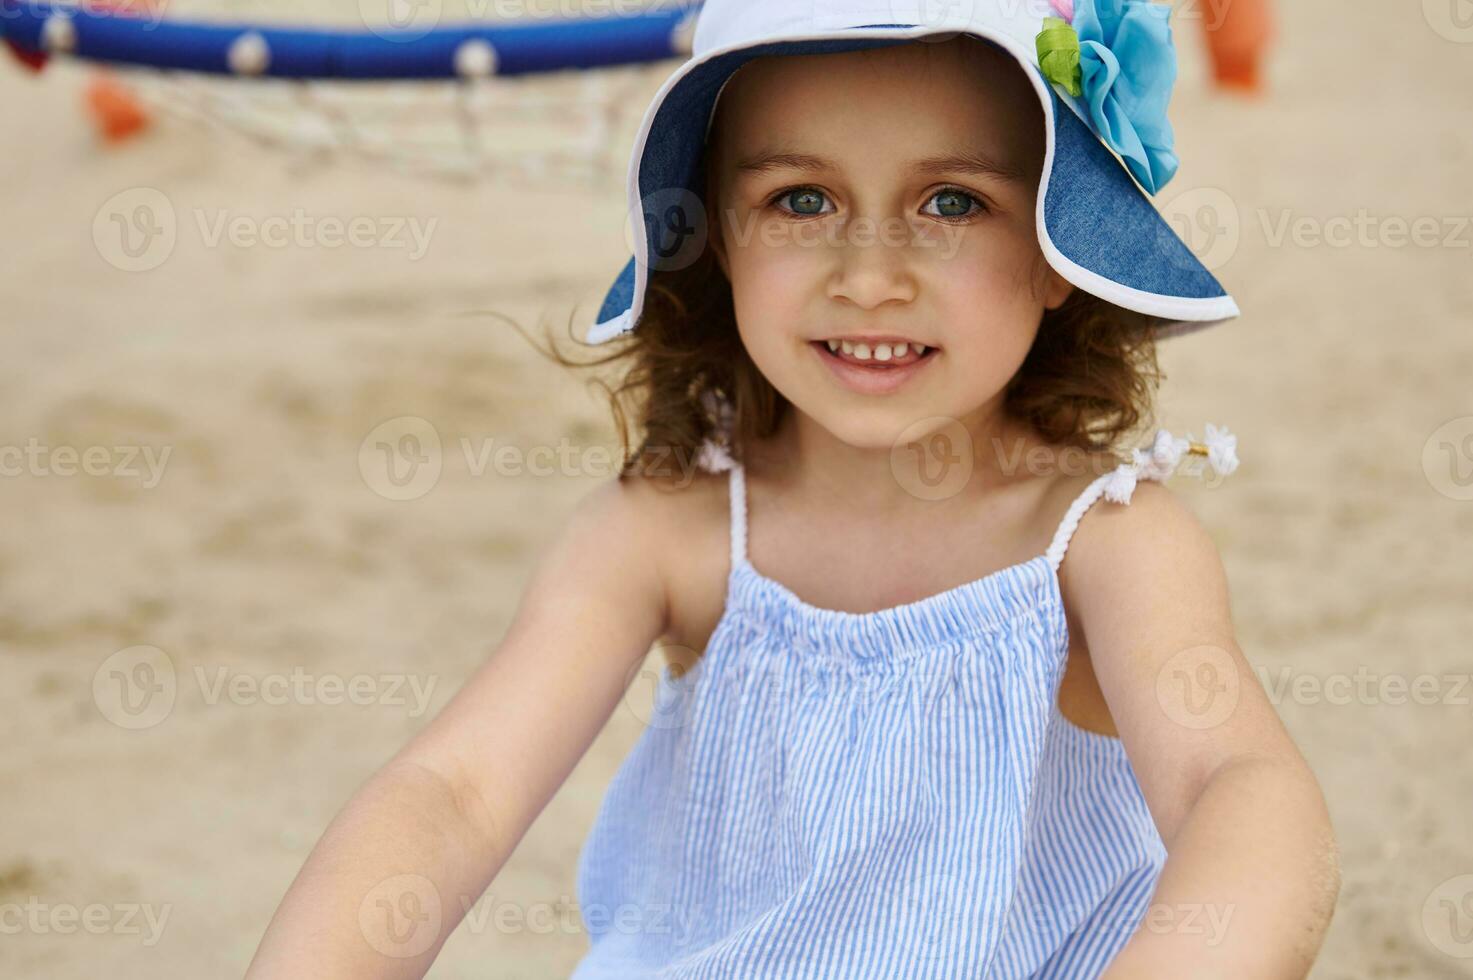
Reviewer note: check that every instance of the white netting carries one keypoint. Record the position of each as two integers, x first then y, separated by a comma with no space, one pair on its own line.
564,125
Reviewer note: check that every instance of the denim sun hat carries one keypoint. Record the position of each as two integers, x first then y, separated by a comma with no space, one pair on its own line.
1103,71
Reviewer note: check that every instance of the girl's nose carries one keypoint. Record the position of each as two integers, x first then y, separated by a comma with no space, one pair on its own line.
872,265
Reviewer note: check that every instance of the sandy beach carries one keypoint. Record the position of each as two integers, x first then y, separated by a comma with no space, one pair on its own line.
195,503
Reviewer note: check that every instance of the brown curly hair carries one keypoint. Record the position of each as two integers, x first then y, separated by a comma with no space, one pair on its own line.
1087,382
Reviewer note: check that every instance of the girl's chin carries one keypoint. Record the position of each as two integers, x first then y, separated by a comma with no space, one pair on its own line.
888,428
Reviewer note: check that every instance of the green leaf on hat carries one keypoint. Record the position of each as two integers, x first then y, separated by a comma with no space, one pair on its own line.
1058,55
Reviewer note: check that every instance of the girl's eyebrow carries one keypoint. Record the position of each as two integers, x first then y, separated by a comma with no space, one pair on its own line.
970,163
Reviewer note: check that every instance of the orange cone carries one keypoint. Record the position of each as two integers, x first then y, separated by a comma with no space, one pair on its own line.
1238,33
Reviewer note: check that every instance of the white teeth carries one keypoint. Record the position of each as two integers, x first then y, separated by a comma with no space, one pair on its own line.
879,352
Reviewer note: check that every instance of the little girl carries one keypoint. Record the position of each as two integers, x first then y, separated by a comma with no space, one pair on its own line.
894,307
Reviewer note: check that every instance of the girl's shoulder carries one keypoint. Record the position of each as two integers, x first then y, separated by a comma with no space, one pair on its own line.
687,527
1153,537
661,514
649,546
1069,472
1055,480
1104,537
677,504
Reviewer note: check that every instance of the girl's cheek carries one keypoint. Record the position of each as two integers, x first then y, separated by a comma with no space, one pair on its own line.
997,268
775,267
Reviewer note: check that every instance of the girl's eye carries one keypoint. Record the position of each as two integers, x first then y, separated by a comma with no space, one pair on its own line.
955,204
809,196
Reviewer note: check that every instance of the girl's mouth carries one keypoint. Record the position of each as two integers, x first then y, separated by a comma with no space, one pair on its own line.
874,368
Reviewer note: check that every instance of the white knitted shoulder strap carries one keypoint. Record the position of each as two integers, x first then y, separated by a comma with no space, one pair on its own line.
738,497
1072,517
1157,462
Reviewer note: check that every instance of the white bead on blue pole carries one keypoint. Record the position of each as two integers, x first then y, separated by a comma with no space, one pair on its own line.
475,58
59,34
249,54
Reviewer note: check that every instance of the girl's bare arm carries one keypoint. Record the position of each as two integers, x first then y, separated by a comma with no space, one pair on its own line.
419,842
1251,874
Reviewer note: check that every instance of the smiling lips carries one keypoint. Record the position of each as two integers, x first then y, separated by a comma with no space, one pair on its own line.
873,365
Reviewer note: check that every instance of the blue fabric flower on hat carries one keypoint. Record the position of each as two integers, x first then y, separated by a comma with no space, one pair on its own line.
1125,67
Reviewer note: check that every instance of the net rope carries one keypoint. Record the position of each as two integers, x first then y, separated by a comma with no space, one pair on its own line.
538,98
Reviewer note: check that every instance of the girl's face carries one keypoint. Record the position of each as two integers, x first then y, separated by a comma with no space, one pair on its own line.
877,198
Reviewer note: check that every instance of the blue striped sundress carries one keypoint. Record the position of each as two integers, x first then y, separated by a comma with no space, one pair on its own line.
891,794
